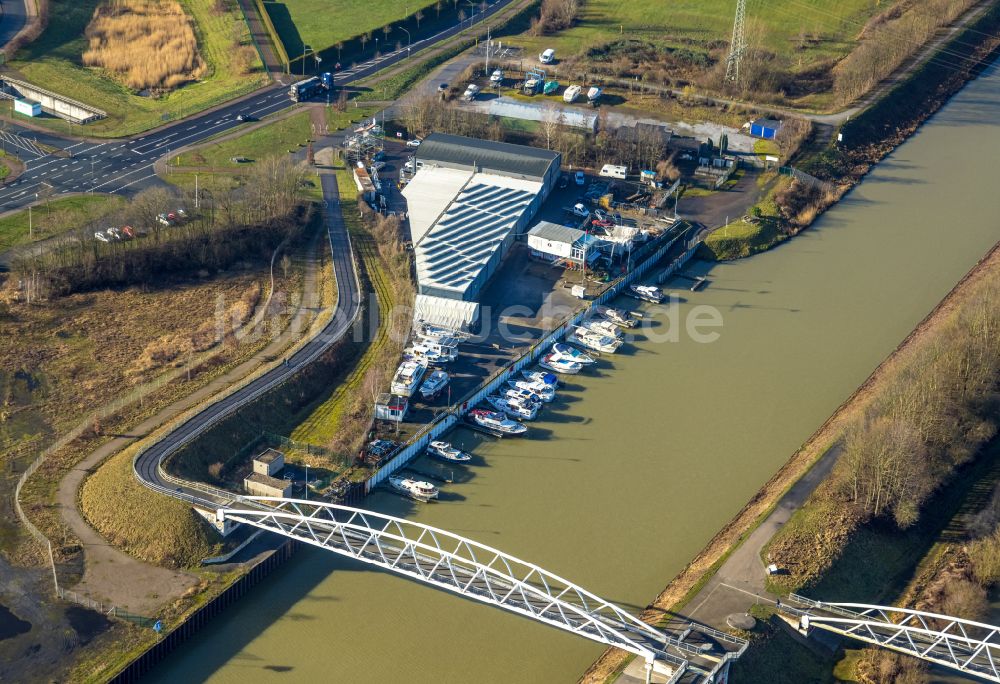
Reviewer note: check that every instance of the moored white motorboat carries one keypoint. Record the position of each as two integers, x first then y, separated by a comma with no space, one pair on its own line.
513,407
540,389
524,396
619,317
407,378
571,93
559,365
602,327
549,379
434,384
594,340
568,351
647,293
496,422
415,489
444,451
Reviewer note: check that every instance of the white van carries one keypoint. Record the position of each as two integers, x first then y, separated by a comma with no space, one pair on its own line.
612,171
547,57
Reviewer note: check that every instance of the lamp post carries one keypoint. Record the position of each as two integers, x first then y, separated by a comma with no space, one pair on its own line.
407,40
307,481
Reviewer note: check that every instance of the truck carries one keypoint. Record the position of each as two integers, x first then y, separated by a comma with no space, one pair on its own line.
327,79
303,90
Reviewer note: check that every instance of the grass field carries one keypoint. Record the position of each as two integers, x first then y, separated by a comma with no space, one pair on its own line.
321,24
279,137
54,61
54,218
696,24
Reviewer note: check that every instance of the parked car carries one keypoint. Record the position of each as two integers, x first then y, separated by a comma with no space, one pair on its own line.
563,181
165,219
580,210
579,178
128,232
442,87
113,233
413,143
547,57
101,236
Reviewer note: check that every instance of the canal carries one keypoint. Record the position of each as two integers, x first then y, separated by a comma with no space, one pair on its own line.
637,466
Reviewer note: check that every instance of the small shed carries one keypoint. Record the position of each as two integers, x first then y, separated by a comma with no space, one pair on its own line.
390,407
27,107
765,128
259,484
269,462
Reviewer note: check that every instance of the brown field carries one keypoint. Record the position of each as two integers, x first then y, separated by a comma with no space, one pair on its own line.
146,44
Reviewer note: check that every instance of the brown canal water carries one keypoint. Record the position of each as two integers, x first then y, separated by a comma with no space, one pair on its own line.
638,465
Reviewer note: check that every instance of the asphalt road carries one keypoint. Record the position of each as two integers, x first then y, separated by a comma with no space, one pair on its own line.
15,15
126,166
155,145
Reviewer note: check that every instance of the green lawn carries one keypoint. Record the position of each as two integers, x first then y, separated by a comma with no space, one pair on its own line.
53,61
696,23
58,216
279,137
321,24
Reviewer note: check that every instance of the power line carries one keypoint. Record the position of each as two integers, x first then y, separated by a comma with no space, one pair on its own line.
739,42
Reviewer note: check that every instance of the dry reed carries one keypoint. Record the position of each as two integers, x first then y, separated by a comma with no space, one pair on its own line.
146,44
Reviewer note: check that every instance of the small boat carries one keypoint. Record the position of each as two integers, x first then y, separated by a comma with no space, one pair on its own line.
536,387
524,396
596,341
558,365
619,317
531,85
496,78
550,87
513,408
568,351
496,422
407,378
541,377
602,328
647,293
423,354
437,332
594,95
572,93
434,384
415,489
471,92
444,451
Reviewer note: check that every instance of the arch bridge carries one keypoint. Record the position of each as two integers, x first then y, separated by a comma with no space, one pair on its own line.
693,654
972,648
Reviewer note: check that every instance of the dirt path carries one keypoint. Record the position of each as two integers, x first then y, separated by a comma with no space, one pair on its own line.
113,576
742,571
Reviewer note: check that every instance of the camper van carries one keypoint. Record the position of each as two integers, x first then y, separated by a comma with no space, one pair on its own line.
547,57
612,171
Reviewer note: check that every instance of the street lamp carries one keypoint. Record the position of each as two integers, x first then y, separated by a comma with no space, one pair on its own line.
472,17
407,40
307,481
376,48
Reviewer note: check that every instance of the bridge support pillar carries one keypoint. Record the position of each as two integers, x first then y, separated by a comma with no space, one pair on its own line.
649,672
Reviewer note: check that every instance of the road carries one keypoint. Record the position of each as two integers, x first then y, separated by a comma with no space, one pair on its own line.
126,166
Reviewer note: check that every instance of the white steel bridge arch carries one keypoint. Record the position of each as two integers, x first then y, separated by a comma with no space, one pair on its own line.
483,573
967,646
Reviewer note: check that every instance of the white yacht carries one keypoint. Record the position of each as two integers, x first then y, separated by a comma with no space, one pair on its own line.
647,293
620,317
572,93
560,365
434,384
437,332
496,422
595,340
496,78
426,355
407,378
568,351
513,407
415,489
549,379
444,451
538,388
594,95
602,328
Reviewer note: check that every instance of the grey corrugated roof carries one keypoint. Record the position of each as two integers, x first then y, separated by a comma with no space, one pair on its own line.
553,232
486,155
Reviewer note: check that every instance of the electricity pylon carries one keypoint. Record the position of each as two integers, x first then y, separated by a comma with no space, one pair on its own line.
739,43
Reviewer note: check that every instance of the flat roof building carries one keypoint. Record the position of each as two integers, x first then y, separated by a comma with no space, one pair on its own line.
259,484
554,243
466,203
269,462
